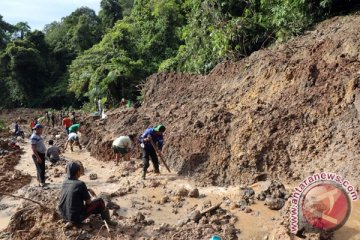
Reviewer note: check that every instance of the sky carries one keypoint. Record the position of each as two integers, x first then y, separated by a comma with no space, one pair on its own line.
38,13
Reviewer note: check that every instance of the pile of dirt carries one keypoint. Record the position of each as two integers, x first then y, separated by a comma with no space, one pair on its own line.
10,178
282,113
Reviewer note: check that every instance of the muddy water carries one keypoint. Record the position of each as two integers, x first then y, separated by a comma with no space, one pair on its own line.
255,225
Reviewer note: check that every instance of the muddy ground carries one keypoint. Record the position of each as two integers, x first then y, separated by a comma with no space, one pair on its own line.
275,117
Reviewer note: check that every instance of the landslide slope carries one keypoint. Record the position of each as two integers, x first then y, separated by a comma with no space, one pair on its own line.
284,112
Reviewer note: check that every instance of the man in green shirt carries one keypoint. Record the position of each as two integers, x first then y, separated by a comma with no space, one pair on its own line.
74,128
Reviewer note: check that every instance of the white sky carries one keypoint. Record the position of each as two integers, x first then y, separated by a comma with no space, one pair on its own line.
38,13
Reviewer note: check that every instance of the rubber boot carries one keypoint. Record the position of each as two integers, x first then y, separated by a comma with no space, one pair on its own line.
105,215
143,175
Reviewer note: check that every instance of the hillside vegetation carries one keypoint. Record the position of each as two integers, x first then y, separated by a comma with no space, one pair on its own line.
86,56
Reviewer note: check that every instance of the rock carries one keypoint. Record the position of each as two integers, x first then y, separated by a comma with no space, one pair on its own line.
154,184
242,204
198,124
182,192
247,193
261,196
247,210
233,220
182,222
274,203
112,205
233,206
194,193
93,176
229,231
165,200
139,217
195,216
203,221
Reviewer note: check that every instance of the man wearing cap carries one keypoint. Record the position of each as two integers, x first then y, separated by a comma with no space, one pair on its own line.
39,150
75,203
156,135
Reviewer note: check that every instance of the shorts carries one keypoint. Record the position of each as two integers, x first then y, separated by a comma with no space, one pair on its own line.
74,139
120,150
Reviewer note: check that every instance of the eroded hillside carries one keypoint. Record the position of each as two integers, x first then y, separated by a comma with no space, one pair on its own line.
282,113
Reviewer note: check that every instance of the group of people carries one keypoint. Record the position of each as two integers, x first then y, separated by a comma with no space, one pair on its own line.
77,202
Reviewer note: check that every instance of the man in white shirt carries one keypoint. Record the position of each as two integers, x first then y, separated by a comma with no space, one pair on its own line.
72,139
123,145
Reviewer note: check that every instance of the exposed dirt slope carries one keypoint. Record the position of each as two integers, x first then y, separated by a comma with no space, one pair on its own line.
284,112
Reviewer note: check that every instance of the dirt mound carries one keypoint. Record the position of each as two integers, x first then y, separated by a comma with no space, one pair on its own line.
282,113
10,178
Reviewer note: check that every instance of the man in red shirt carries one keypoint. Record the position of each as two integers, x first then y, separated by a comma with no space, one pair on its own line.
66,122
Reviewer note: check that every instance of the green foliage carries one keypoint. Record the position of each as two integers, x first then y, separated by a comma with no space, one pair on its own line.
221,29
132,50
85,56
21,29
76,33
2,125
111,11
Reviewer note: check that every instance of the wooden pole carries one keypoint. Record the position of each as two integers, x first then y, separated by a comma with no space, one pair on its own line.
25,198
159,153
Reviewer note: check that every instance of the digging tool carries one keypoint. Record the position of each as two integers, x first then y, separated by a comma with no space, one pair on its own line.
159,153
106,225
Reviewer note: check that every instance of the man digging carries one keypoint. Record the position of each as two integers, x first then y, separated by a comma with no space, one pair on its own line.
123,145
148,138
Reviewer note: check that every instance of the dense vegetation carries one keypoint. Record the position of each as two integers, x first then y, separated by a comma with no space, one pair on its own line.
86,56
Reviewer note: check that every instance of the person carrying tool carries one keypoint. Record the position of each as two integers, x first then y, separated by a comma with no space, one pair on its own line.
123,145
75,203
147,139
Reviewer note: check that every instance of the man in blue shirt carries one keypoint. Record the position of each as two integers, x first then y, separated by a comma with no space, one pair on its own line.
156,135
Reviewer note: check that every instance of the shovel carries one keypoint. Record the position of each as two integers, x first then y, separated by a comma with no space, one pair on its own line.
160,155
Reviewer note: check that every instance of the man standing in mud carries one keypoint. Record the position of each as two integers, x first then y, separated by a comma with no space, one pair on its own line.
39,150
152,137
75,203
66,123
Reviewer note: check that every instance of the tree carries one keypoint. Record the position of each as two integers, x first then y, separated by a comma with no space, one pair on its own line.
129,52
25,72
111,11
21,29
5,32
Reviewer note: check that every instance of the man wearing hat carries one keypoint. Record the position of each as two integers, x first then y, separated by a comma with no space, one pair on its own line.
39,150
156,135
75,203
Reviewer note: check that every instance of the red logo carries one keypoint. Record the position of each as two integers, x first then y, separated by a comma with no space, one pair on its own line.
326,206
